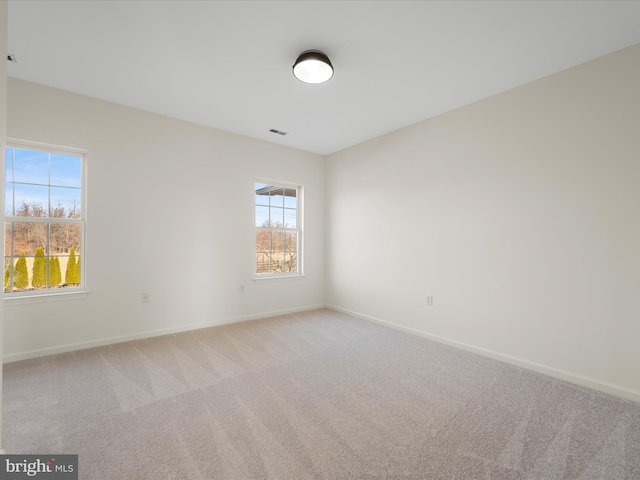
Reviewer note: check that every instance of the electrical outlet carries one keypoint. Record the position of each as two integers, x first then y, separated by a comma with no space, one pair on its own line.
145,298
430,300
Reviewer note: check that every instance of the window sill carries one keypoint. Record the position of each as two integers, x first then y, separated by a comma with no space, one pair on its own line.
13,300
276,278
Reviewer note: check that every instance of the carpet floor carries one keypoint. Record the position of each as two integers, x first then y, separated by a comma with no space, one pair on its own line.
312,395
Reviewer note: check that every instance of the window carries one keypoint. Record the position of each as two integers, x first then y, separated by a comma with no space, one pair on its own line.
44,221
278,223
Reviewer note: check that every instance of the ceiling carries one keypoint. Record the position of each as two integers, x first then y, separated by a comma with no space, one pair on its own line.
228,64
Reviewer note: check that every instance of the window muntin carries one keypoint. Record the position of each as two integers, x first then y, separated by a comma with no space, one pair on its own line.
278,229
44,220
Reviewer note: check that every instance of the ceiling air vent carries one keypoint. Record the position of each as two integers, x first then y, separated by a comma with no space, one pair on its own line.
273,130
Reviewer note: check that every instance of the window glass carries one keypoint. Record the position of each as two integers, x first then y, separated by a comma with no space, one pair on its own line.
30,166
66,171
278,232
44,220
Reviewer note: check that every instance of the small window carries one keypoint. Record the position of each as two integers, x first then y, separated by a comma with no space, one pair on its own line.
278,223
44,220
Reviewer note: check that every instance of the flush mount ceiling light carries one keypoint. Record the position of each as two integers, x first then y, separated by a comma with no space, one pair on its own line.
313,66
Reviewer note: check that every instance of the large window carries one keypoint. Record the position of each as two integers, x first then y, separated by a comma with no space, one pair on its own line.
44,220
278,222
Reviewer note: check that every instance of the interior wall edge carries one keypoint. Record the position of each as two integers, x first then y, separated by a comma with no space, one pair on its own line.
72,347
605,387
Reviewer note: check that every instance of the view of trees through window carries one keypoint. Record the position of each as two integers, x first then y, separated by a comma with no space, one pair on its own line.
277,229
43,221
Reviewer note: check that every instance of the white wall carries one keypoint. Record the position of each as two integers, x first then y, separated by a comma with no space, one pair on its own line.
519,214
170,212
3,136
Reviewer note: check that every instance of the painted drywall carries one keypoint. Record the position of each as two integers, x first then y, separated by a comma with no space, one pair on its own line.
518,214
3,137
170,212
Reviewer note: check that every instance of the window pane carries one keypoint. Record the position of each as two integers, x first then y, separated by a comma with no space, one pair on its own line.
27,237
7,274
277,251
276,218
59,210
290,200
65,202
8,199
277,199
31,200
31,167
263,247
262,195
69,269
291,253
63,238
21,273
66,171
7,238
290,218
262,200
262,216
55,272
38,269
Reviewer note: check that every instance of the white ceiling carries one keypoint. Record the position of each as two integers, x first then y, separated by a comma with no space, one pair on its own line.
228,64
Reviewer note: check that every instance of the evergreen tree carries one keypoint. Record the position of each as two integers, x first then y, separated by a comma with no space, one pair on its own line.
39,272
21,274
55,276
78,271
70,276
7,275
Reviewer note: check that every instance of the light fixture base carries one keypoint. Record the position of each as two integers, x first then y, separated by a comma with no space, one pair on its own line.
313,66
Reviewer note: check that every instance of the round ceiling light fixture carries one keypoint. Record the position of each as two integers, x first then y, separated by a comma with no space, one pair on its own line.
313,66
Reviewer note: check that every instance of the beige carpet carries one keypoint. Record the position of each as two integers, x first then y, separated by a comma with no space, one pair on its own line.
315,395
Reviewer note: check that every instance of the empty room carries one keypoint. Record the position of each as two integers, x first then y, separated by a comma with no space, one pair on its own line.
320,240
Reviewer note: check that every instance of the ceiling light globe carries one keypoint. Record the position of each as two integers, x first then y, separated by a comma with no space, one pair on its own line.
313,66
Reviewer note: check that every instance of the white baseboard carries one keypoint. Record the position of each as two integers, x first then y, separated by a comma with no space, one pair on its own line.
578,379
26,355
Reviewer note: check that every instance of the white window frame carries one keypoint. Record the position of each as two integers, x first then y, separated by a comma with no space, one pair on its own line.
49,294
299,230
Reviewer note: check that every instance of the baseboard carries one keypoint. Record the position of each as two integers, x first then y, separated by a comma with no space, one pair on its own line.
584,381
26,355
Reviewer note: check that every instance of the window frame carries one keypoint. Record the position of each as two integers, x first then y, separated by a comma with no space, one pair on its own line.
48,293
299,230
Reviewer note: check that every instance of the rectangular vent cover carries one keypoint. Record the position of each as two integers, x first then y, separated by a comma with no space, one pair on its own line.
273,130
